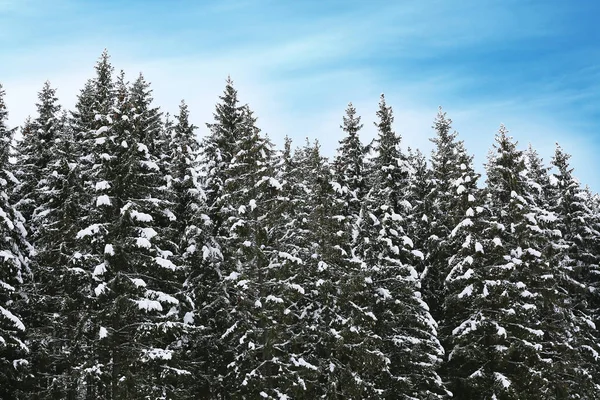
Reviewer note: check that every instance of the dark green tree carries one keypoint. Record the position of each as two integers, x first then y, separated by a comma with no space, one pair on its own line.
14,273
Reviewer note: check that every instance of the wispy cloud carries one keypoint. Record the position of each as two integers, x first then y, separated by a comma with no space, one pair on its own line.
531,65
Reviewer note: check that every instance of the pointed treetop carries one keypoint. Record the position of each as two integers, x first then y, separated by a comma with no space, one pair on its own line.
103,64
386,117
561,161
442,123
287,145
47,106
504,142
6,134
3,110
183,112
351,123
183,126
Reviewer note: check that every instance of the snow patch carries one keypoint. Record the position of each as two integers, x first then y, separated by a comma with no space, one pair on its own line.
101,288
138,282
150,165
296,287
103,200
102,333
108,249
384,293
502,379
141,217
148,233
99,270
143,243
102,185
418,254
188,318
468,291
233,276
478,247
148,305
290,257
101,130
164,263
89,231
274,299
16,322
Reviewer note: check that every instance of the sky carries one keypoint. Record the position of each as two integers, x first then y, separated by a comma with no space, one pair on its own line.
533,66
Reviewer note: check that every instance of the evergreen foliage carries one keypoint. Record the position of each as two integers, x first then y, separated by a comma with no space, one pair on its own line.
14,276
139,262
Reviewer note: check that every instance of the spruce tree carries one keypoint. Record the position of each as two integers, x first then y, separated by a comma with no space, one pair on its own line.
148,115
249,191
34,151
241,189
349,167
197,250
323,234
509,324
406,352
218,149
576,223
61,285
452,183
292,276
136,312
14,273
418,208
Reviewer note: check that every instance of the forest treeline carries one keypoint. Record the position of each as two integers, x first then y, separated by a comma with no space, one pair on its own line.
138,262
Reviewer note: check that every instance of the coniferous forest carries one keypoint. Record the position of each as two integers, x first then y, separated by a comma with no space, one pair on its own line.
140,262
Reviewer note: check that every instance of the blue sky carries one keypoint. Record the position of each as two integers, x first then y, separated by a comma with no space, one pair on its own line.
532,65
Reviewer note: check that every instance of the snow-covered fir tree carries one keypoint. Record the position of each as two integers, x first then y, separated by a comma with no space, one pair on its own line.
577,224
61,286
406,352
292,276
218,149
165,267
136,309
452,184
196,250
511,330
34,150
148,115
349,168
252,305
322,232
14,273
417,207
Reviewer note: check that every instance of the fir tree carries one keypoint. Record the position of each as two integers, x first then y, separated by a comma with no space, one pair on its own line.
580,263
218,149
322,236
34,152
148,116
14,272
349,167
136,311
509,325
402,331
249,190
241,190
452,184
60,285
197,249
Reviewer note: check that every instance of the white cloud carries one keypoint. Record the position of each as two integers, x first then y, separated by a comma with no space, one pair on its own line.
301,86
